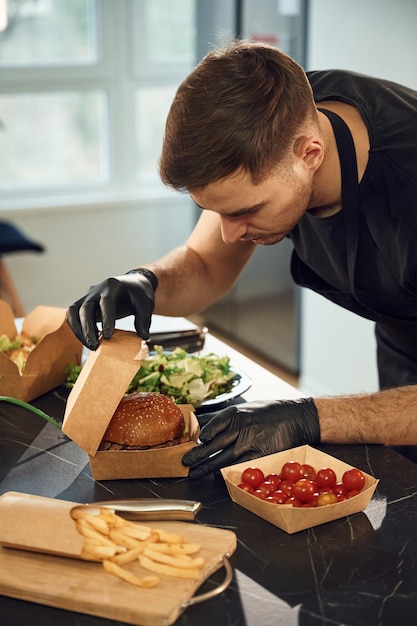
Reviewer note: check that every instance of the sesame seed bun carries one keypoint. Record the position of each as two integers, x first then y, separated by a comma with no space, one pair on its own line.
145,420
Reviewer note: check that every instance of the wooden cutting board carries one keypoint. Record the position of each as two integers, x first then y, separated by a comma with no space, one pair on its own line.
85,587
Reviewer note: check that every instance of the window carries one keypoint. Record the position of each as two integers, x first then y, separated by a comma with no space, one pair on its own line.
85,87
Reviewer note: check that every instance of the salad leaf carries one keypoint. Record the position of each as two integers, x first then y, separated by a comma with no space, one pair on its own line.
187,378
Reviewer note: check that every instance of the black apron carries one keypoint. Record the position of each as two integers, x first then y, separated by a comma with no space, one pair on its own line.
396,338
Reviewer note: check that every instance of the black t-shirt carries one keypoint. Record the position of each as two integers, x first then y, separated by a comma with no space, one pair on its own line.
364,258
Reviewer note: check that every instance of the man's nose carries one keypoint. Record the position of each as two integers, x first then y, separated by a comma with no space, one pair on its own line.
231,229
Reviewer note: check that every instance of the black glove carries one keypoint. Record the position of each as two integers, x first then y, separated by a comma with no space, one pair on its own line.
113,298
247,431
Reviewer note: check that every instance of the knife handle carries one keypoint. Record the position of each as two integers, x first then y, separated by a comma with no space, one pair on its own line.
153,508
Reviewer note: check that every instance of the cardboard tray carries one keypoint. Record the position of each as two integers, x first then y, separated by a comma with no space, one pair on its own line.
84,587
293,519
92,402
46,364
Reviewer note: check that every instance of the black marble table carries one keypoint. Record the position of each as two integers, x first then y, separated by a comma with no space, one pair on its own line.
356,571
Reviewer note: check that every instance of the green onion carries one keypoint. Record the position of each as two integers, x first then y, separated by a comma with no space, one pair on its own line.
25,405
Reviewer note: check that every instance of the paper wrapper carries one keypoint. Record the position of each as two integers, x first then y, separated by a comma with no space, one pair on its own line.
39,524
293,519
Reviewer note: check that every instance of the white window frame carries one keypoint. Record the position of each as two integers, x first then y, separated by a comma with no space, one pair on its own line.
116,49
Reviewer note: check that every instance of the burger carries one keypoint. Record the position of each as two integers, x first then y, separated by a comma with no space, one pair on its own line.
145,420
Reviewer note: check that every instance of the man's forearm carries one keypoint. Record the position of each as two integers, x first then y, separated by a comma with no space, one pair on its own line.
386,417
184,284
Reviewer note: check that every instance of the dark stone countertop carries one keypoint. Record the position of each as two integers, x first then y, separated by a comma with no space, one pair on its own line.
356,571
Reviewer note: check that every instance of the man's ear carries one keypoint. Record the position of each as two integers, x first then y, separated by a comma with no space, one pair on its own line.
309,151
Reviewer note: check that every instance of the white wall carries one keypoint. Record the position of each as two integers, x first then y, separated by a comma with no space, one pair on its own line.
374,37
87,243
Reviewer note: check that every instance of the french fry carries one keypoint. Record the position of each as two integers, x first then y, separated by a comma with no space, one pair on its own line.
168,570
111,518
146,581
138,532
98,553
119,537
86,530
176,548
182,561
128,556
98,523
170,537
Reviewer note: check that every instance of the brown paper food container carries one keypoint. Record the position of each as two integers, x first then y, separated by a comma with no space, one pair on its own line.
46,364
294,519
92,402
39,524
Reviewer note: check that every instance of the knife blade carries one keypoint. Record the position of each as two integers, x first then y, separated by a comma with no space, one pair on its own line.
152,508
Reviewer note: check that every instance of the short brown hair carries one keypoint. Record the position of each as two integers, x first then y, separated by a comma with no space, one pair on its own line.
241,107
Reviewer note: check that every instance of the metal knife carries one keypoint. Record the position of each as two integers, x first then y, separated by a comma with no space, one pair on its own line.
152,508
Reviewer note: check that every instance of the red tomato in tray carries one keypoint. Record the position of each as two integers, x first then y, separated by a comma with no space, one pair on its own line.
252,476
353,480
292,470
274,478
309,471
266,486
351,494
246,487
279,496
287,486
326,477
293,501
304,489
339,489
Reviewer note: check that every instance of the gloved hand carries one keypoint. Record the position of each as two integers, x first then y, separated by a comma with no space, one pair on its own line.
247,431
114,298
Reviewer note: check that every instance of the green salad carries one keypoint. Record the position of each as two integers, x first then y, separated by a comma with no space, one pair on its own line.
187,378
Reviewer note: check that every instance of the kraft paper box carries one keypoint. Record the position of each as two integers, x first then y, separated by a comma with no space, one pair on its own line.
92,402
46,364
293,519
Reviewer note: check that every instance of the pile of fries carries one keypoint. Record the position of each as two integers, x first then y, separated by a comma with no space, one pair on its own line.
115,542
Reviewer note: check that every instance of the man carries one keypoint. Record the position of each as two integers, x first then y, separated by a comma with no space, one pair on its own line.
329,160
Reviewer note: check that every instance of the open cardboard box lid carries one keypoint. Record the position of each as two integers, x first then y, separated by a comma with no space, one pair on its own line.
46,364
99,388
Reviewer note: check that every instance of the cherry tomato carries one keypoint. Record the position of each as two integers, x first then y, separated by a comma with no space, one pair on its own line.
266,486
353,479
272,499
352,493
287,487
292,470
339,489
279,496
308,471
326,477
304,489
258,493
274,478
326,498
246,487
293,501
252,476
314,500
